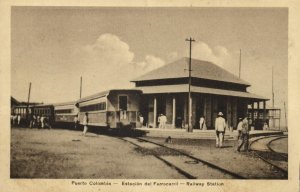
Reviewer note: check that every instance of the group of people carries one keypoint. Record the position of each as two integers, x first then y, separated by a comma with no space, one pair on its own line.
39,122
162,120
85,123
242,128
15,119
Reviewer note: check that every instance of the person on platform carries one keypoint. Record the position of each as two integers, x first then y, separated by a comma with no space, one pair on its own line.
220,126
15,119
46,122
33,121
159,121
162,121
42,121
239,130
19,120
244,135
85,123
38,122
265,127
141,118
76,122
202,123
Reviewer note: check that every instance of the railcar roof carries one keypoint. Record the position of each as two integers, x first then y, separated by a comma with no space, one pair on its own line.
65,103
200,69
44,105
104,94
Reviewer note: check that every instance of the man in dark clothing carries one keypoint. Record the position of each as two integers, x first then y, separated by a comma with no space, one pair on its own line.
244,135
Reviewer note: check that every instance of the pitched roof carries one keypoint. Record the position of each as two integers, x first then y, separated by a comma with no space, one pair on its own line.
194,89
200,69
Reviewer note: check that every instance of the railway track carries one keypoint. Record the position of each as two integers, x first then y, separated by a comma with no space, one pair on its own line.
261,148
185,164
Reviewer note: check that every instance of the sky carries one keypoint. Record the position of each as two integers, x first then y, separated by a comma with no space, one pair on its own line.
52,47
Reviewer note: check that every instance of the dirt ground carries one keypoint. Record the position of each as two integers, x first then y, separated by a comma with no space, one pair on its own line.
245,164
37,153
58,153
280,145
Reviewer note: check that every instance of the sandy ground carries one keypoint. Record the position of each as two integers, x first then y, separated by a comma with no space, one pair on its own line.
245,164
280,145
66,154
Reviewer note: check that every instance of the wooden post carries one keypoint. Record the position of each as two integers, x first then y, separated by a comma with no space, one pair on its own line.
264,113
189,128
154,112
27,108
252,114
190,116
174,112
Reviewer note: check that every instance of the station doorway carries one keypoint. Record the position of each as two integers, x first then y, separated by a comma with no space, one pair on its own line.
179,120
199,111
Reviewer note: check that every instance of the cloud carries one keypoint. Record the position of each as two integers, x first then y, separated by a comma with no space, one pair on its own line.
172,56
109,47
151,62
218,54
108,64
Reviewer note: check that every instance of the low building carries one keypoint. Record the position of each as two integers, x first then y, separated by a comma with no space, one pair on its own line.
213,89
271,120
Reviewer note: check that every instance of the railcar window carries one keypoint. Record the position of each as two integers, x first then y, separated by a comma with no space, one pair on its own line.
95,107
64,111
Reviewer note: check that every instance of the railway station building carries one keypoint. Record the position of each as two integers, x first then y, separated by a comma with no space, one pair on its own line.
213,89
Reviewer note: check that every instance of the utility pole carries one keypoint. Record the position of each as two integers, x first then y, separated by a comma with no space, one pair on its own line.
285,117
80,87
190,128
240,64
27,109
272,88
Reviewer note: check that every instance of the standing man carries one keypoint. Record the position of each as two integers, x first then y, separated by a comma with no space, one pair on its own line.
163,121
220,126
239,129
159,121
76,122
85,123
244,135
42,121
202,123
19,120
141,120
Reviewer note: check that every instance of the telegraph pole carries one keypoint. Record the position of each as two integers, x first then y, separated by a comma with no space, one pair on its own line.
240,64
285,117
190,128
80,87
27,109
272,88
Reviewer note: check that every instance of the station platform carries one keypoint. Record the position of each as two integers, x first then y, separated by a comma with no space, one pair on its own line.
202,134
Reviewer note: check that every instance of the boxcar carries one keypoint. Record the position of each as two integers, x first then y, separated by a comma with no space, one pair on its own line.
65,113
113,108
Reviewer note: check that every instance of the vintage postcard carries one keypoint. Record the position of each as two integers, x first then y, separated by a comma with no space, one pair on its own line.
149,96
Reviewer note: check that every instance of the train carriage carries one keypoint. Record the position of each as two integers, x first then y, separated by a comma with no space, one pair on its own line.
65,113
47,110
21,110
113,108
